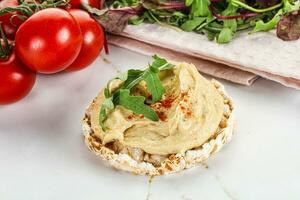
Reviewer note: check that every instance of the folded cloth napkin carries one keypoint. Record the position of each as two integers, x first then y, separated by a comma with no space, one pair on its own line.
260,53
208,67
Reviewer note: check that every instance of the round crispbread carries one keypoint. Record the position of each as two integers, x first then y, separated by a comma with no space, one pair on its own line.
174,162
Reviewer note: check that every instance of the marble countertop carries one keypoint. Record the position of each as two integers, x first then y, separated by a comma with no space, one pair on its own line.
43,155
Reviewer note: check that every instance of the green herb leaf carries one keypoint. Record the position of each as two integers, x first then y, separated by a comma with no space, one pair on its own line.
134,76
154,85
121,95
200,8
225,36
209,19
230,10
136,104
266,26
158,62
188,2
192,24
107,106
136,20
232,24
161,63
210,35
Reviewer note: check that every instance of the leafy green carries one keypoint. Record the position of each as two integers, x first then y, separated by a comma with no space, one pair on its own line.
229,25
215,19
266,26
271,24
136,104
121,95
200,8
161,63
107,106
232,24
209,19
188,2
154,85
192,24
225,36
134,76
210,35
227,32
136,20
230,10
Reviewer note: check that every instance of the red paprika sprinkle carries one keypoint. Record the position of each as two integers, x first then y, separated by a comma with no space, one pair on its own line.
161,115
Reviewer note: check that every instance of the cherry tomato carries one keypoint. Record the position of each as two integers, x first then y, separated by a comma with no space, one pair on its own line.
93,39
92,3
16,80
10,22
49,41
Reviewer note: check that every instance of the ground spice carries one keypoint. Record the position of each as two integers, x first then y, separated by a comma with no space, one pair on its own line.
167,103
161,115
188,113
141,116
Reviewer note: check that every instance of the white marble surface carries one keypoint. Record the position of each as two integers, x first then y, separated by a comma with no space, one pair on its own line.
42,154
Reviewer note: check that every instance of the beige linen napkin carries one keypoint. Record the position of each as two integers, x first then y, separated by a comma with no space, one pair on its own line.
208,67
260,53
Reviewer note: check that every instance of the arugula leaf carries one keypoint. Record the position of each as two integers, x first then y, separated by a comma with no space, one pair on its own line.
136,104
266,26
209,19
225,36
160,63
288,7
154,85
134,76
121,95
192,24
122,77
107,106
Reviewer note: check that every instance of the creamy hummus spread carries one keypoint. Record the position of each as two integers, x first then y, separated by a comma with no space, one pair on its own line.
189,114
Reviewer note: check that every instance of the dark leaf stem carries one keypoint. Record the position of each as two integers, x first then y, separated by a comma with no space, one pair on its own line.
129,10
106,49
172,5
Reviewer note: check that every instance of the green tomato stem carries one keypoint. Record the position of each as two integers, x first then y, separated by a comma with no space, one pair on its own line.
29,9
5,49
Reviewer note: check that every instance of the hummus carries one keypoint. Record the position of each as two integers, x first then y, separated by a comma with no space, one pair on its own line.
189,114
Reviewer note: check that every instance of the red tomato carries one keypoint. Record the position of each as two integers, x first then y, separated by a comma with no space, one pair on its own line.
93,39
16,80
92,3
10,23
49,41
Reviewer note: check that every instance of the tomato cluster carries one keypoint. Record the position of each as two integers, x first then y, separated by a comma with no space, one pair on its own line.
49,41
